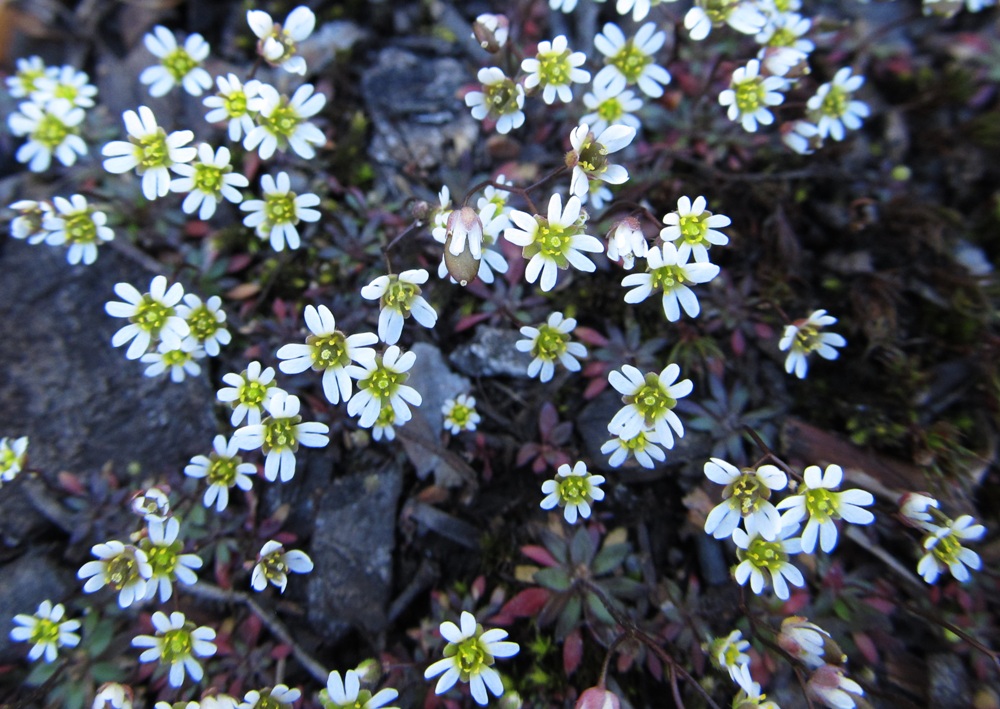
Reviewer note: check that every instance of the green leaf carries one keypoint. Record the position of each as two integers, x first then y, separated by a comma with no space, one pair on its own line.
554,579
105,672
99,638
622,587
569,618
40,673
609,559
582,548
598,610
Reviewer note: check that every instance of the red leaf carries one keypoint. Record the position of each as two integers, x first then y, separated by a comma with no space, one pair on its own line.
280,309
590,336
539,554
529,451
572,652
738,342
595,387
866,646
548,418
71,483
467,321
281,651
882,605
237,262
525,604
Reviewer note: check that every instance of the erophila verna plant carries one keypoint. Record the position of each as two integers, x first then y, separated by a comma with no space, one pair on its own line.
739,163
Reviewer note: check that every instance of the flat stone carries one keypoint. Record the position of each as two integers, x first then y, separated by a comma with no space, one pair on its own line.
24,583
492,353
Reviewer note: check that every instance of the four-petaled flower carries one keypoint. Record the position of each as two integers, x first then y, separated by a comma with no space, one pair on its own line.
222,470
649,402
280,434
65,82
803,640
626,241
248,392
750,95
382,388
125,568
206,322
79,226
641,446
399,297
742,15
694,229
589,157
176,356
500,100
279,696
822,505
833,108
632,58
274,565
175,645
573,489
945,551
555,68
747,496
13,453
278,43
152,316
610,104
282,121
469,657
758,556
167,563
149,150
730,654
232,103
550,342
460,414
346,693
46,631
52,128
804,336
208,180
668,272
178,65
276,217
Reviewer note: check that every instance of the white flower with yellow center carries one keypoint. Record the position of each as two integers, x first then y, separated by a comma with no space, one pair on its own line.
276,217
125,568
469,657
649,402
280,434
820,502
206,322
28,71
278,43
149,151
803,640
742,15
667,271
208,180
163,551
153,505
611,104
274,564
67,83
589,156
501,99
399,297
112,695
282,122
52,128
831,686
804,337
231,103
346,693
641,446
573,489
759,556
28,224
13,454
222,469
248,392
178,65
626,241
81,228
787,30
632,59
730,654
382,386
179,357
554,243
747,496
833,107
46,631
550,343
152,316
175,645
460,414
555,68
750,95
328,350
638,8
694,229
279,696
946,553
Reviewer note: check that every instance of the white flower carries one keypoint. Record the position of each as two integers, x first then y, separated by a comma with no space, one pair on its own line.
177,356
626,241
46,631
638,8
175,644
167,563
802,137
750,95
12,457
346,693
611,104
649,401
113,695
742,15
730,654
598,196
277,697
282,121
275,217
79,226
786,30
219,701
945,551
248,392
589,156
153,505
494,219
833,107
280,434
566,6
914,506
277,43
125,568
381,387
491,31
207,181
668,272
231,103
52,128
632,58
758,555
28,224
178,65
829,685
469,657
460,414
695,228
274,565
804,337
66,83
574,490
25,79
746,496
641,446
501,100
222,469
498,197
399,297
803,640
149,150
152,316
327,350
550,342
822,505
554,243
205,322
555,68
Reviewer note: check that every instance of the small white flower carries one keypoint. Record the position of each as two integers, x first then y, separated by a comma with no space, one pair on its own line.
945,551
589,156
549,343
750,95
822,506
177,357
399,297
152,505
626,241
730,654
460,414
346,693
802,137
276,217
632,58
829,685
175,645
167,563
573,489
803,640
566,6
152,316
914,506
668,272
274,565
500,100
327,350
787,30
28,224
554,243
758,555
29,70
469,657
149,151
555,68
280,435
382,387
74,223
278,43
742,15
178,65
694,229
52,128
642,447
208,180
46,631
282,121
112,695
248,392
276,697
649,401
222,470
746,496
13,454
231,103
66,83
206,322
125,568
804,337
833,108
638,8
610,104
491,31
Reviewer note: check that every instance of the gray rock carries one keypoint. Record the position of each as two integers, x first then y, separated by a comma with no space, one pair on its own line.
25,582
435,381
948,683
492,353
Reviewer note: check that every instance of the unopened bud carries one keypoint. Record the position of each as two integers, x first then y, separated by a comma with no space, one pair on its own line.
598,698
152,505
368,670
420,210
491,31
463,246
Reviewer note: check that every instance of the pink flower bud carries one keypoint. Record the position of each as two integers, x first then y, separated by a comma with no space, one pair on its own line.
598,698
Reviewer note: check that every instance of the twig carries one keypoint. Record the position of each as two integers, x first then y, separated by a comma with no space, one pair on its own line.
856,535
979,645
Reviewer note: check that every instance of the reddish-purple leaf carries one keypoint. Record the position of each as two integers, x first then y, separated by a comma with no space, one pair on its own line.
539,554
572,652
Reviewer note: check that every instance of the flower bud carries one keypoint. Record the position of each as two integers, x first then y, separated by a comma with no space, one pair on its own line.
152,505
463,246
914,506
491,31
598,698
626,241
808,642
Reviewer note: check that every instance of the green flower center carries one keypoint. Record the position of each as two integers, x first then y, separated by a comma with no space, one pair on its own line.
747,493
179,64
176,645
151,315
667,277
501,97
202,323
460,414
638,443
66,91
163,558
252,393
154,151
750,95
471,657
383,383
176,358
235,104
783,37
266,701
275,568
399,295
630,61
552,241
45,631
821,504
717,10
651,400
947,549
765,555
8,460
806,339
51,131
386,417
222,470
693,227
29,78
359,703
283,120
208,178
834,103
593,156
554,68
279,434
610,110
574,489
122,570
550,343
80,228
329,351
280,209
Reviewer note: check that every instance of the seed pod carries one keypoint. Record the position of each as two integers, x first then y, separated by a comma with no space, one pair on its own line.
491,32
463,246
